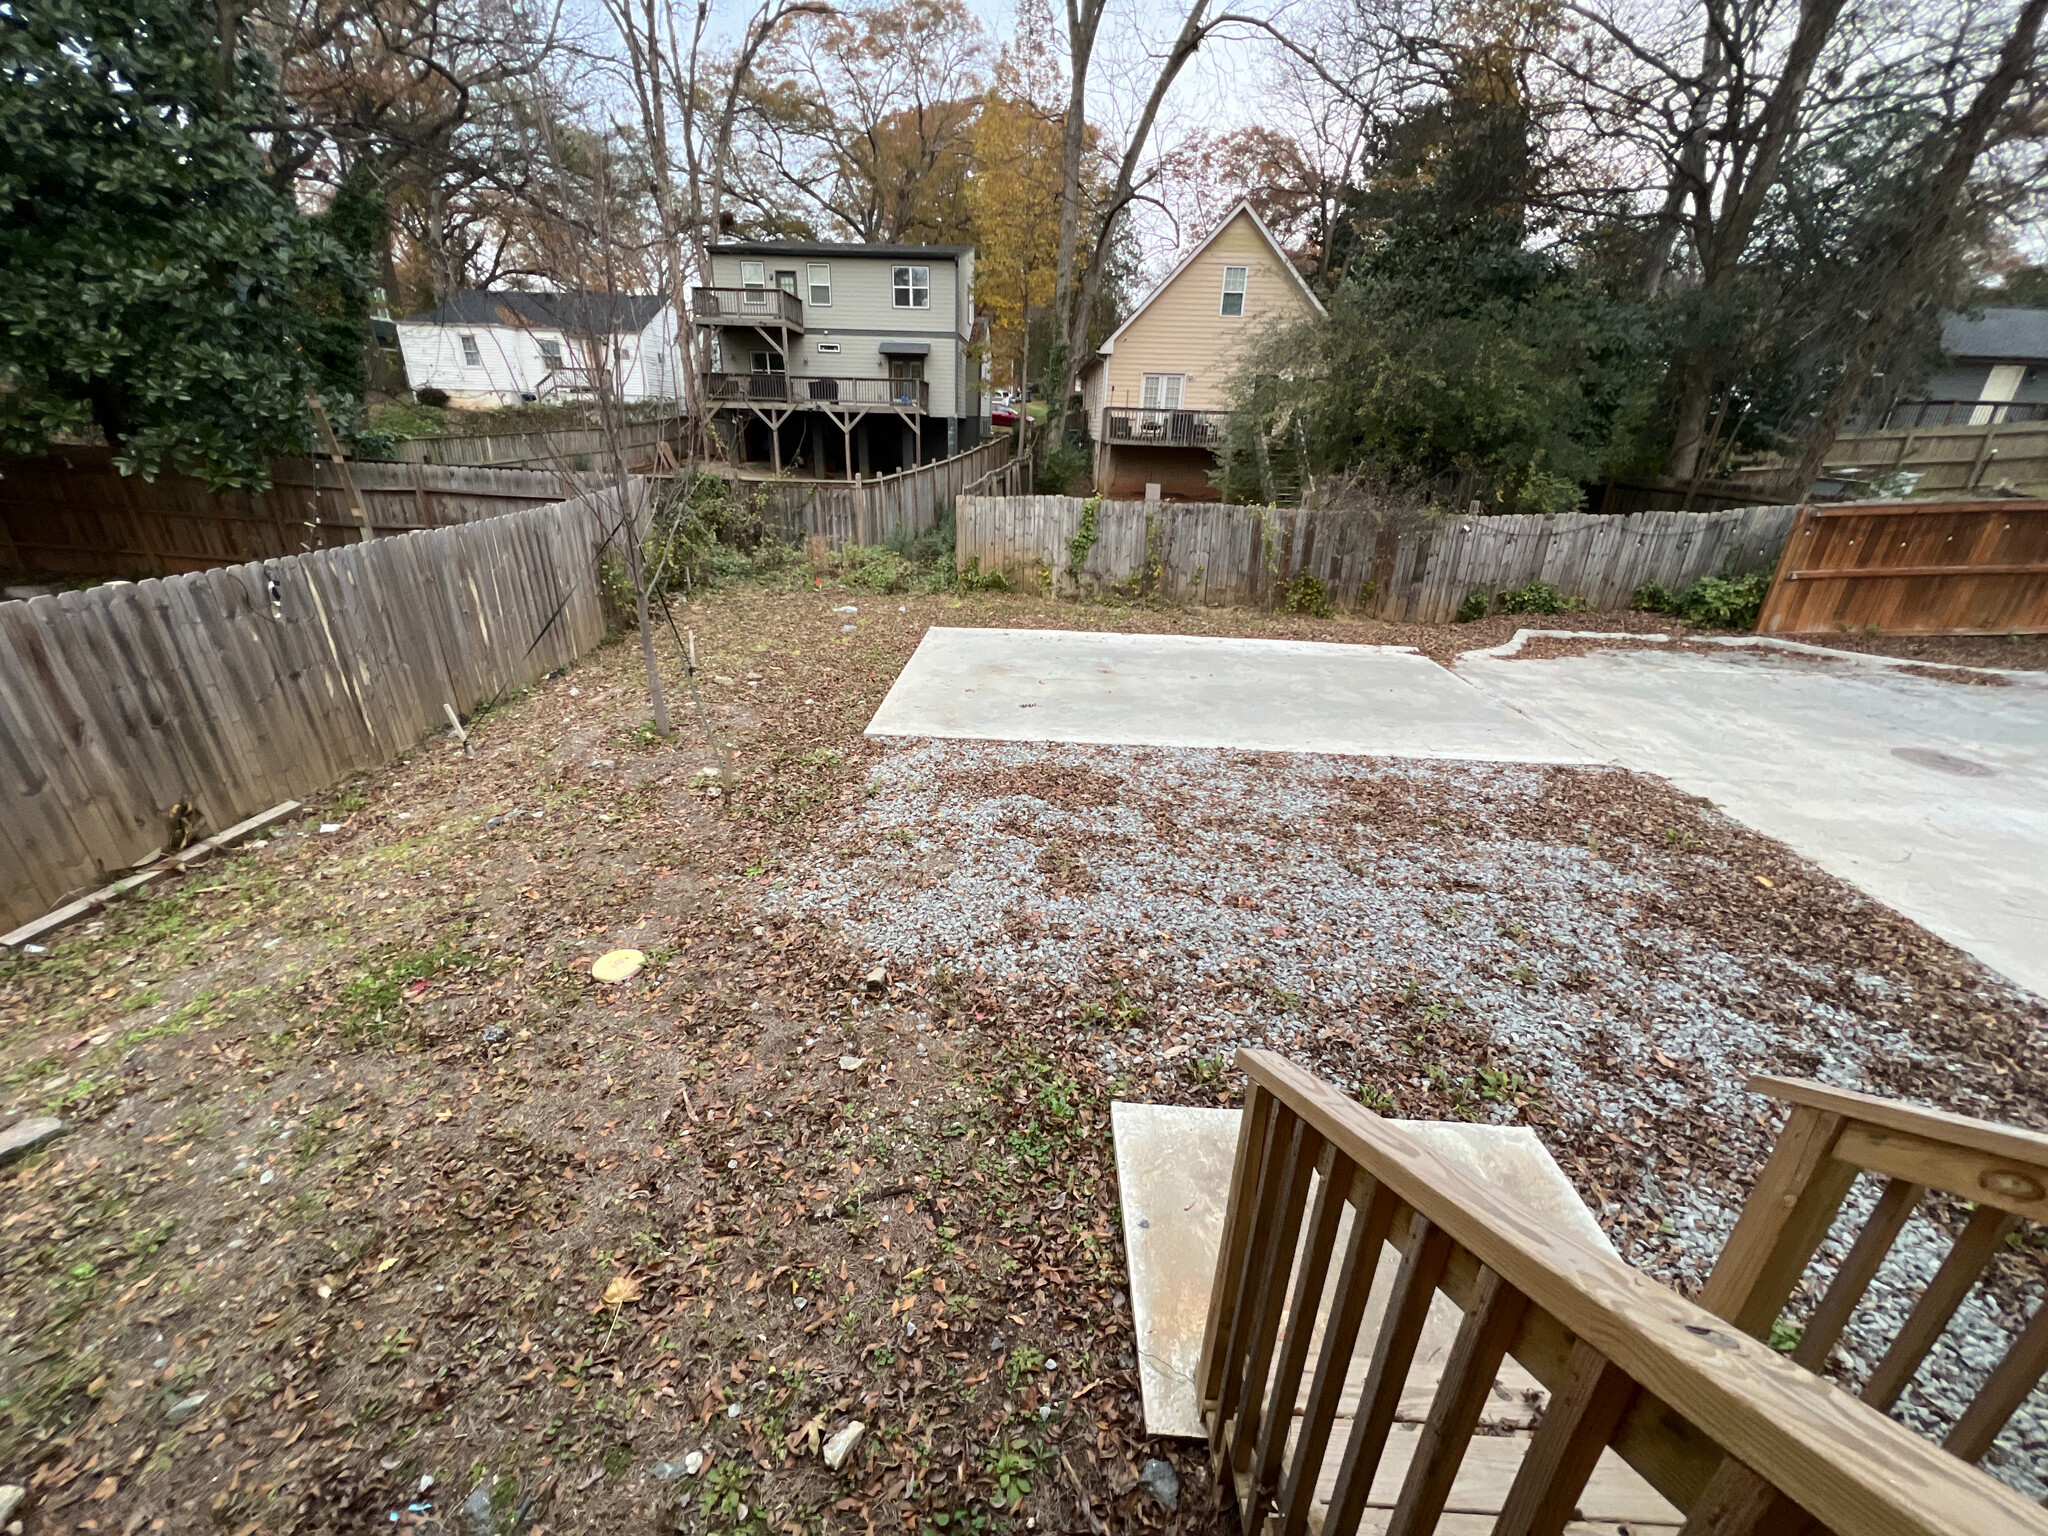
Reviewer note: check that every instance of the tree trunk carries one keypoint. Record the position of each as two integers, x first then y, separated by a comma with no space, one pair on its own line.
1938,213
1743,201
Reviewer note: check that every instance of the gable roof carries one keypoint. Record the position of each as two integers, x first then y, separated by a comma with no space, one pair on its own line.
2019,335
1244,206
575,310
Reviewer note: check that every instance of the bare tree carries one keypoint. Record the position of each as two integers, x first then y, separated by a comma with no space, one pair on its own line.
1940,207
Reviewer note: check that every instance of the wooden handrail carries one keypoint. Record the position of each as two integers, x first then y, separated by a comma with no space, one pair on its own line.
1835,1134
1677,1392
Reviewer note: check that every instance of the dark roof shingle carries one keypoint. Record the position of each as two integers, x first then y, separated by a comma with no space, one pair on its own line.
583,313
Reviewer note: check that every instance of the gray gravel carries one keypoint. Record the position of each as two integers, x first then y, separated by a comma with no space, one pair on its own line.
1171,905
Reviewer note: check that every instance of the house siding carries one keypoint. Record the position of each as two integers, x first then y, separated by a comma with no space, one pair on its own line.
510,363
1183,329
863,314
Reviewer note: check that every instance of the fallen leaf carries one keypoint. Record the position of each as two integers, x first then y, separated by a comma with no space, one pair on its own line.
624,1288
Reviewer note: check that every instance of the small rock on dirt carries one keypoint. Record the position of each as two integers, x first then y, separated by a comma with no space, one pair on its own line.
841,1445
495,1034
476,1513
11,1495
185,1407
1159,1479
852,1063
689,1466
26,1135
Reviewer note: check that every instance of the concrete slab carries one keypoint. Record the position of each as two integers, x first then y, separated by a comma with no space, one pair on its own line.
1196,691
1173,1168
1931,796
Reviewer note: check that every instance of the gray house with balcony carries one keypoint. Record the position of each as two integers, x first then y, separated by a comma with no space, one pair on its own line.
841,359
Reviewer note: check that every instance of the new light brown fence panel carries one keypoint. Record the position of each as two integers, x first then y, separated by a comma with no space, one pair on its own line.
1830,1138
1660,1413
1914,568
71,512
234,688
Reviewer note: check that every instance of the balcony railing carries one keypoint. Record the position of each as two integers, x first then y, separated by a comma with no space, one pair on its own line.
1174,428
1963,413
804,390
746,306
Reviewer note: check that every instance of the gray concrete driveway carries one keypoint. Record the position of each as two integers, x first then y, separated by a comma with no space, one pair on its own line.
1199,691
1930,795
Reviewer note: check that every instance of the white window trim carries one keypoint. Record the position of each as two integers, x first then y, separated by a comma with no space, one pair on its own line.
911,286
759,277
1243,288
467,342
812,285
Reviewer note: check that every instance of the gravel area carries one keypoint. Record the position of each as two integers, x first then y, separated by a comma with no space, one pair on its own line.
1585,950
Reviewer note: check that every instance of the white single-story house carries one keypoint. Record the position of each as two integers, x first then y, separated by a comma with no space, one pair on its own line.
502,347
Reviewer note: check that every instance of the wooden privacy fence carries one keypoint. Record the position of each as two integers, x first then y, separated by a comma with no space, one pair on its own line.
235,688
870,510
71,512
1210,553
1913,568
574,449
1943,460
1731,1438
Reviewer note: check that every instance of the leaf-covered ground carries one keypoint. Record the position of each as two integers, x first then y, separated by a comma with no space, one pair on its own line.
373,1203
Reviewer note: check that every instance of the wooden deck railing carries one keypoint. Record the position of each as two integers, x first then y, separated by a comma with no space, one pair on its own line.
1831,1136
746,306
824,392
1164,428
1674,1390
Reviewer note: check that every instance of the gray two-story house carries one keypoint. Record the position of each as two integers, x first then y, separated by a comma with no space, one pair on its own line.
839,359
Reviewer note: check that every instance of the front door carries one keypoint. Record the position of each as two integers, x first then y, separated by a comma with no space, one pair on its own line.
785,279
905,374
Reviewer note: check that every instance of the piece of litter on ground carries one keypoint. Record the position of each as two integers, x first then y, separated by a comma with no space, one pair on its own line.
616,964
846,629
852,1063
330,826
843,1444
846,608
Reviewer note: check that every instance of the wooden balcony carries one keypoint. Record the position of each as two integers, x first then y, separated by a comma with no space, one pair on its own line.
746,306
1652,1413
1164,428
806,391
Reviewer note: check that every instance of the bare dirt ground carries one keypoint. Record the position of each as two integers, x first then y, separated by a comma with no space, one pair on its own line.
373,1203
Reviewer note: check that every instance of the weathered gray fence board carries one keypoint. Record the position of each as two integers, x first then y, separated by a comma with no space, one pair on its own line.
871,509
238,687
1209,553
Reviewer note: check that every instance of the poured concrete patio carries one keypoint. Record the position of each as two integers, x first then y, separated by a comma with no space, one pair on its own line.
1196,691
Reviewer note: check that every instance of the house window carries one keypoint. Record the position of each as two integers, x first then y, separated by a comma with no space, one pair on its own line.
551,353
753,274
828,349
821,284
1233,289
1161,392
913,287
471,357
768,362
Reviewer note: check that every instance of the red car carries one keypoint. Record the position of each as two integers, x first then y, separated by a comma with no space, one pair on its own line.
1002,415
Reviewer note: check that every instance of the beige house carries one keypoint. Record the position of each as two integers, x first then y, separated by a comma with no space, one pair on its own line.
1155,393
